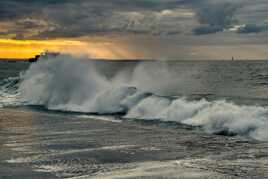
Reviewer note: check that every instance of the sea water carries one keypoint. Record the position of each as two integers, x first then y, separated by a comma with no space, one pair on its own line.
220,103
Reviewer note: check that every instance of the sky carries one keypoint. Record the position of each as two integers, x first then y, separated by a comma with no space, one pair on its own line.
135,29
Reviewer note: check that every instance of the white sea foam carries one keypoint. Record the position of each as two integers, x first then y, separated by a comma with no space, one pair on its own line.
68,84
214,117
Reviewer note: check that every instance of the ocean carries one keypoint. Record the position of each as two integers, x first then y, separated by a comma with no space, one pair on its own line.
66,117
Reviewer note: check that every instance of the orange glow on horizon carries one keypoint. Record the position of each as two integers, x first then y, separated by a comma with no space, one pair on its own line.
24,49
128,47
96,47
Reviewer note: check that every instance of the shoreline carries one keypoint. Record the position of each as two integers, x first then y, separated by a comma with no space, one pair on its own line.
66,146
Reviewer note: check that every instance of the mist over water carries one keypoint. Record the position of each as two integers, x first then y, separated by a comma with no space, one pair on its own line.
143,91
66,83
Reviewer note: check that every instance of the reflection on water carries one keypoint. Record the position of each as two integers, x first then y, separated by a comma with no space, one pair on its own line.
50,145
22,130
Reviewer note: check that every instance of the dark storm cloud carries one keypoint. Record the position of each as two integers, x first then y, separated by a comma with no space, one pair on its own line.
71,18
215,17
221,14
10,9
16,8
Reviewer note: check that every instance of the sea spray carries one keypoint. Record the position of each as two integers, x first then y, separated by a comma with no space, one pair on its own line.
68,84
61,81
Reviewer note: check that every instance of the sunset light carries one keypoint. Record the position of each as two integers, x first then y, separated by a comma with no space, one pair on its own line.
124,89
23,49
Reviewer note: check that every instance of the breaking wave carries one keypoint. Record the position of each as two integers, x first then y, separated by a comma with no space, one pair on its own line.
67,84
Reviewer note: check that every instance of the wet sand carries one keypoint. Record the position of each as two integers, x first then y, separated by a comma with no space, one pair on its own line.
37,144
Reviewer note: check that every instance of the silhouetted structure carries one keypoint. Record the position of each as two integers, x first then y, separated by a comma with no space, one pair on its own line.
45,54
35,59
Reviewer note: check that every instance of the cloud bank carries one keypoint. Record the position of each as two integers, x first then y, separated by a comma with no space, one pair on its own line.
215,18
74,18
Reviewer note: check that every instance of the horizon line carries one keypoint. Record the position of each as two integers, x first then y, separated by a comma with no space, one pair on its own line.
132,59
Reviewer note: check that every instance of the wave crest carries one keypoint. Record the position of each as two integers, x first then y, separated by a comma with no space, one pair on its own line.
67,84
217,117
